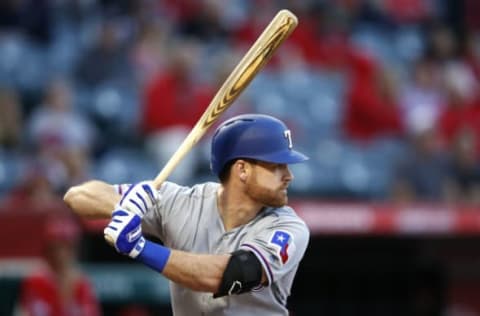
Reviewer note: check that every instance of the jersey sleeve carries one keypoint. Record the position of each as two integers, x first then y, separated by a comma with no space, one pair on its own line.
154,222
279,246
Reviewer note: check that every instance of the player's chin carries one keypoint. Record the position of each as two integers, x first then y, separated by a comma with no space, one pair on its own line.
281,199
284,196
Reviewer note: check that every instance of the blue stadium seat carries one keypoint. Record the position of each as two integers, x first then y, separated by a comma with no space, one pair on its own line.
273,103
22,64
263,81
325,112
355,176
12,170
324,167
114,107
382,157
116,103
265,94
296,85
65,49
125,165
305,180
83,99
325,105
366,170
35,71
11,51
376,41
347,170
409,42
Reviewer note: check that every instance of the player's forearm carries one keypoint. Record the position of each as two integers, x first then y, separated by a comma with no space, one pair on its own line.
198,272
92,199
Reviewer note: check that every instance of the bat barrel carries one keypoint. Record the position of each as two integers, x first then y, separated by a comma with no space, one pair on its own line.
281,26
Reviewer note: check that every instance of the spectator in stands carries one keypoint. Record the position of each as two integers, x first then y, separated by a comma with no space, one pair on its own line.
323,35
423,93
149,50
422,174
321,38
441,43
172,103
206,24
106,60
11,120
36,191
465,169
371,109
463,104
408,11
472,53
59,288
60,135
33,19
245,33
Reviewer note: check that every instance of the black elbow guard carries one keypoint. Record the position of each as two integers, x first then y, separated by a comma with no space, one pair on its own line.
243,273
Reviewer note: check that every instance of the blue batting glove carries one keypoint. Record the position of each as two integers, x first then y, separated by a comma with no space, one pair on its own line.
140,198
124,232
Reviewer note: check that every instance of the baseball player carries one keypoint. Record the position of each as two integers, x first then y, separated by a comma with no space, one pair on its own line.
228,248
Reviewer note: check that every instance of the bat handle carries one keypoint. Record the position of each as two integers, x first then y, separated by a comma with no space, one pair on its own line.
163,175
183,150
109,240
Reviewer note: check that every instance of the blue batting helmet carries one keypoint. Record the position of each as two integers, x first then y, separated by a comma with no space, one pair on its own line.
254,136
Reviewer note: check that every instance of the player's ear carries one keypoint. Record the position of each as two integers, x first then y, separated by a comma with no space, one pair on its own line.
241,169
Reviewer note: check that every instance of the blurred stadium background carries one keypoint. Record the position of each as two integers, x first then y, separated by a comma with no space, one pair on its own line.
382,94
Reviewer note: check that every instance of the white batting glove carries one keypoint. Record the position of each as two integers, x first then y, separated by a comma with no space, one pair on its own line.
140,198
124,232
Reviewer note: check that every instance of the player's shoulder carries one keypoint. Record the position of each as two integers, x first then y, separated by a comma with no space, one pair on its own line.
282,211
285,214
200,190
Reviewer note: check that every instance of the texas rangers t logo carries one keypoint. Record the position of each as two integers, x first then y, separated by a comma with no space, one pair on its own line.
282,240
288,135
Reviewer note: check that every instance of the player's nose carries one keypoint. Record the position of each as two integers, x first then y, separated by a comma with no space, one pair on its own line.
288,175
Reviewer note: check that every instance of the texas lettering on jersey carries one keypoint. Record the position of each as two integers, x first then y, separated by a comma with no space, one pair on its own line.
283,241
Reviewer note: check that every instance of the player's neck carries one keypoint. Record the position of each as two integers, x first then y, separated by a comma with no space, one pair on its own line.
235,210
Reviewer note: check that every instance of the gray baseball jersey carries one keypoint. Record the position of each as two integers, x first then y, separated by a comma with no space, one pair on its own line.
188,219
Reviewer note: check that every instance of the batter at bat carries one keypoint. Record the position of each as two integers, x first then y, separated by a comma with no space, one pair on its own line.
230,247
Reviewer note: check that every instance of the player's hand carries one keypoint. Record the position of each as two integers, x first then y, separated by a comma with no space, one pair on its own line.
124,232
139,198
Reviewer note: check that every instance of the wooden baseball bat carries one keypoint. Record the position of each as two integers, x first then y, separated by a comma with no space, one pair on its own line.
252,62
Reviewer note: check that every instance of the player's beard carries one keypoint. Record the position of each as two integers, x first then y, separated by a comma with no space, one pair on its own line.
266,196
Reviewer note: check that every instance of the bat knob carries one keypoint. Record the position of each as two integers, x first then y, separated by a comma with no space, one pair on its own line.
109,240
